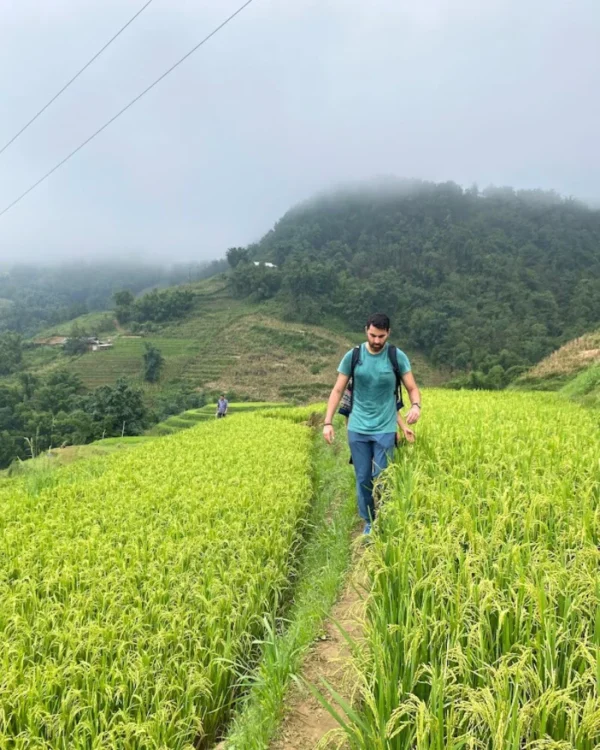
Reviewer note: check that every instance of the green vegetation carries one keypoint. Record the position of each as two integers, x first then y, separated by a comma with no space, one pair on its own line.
155,306
153,571
11,353
125,360
40,413
483,623
46,296
483,282
573,370
585,387
95,323
135,587
153,363
57,457
223,344
33,298
554,371
189,418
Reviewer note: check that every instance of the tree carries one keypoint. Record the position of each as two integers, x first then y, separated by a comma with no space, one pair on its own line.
9,449
160,306
75,346
123,305
153,363
60,392
11,352
72,428
116,410
29,383
237,255
257,282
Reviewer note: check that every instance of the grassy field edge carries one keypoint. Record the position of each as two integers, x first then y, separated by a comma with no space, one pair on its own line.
322,572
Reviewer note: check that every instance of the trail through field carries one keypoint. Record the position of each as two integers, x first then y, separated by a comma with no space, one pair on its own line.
306,722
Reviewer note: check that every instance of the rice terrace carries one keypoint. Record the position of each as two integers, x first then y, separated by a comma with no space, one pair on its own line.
134,602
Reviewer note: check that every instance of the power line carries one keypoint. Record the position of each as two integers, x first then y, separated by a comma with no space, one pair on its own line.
131,103
75,77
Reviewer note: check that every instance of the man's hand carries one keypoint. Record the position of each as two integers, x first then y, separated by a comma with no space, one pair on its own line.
408,434
329,433
413,415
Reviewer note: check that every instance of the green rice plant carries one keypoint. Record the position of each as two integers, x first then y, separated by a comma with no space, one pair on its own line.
187,419
585,387
298,414
122,441
254,405
134,588
483,622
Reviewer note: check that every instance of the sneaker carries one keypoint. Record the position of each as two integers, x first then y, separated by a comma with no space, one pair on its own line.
367,529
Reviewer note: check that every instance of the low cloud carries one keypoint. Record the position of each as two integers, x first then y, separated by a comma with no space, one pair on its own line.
289,99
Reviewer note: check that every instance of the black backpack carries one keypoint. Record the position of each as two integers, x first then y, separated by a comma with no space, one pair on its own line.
393,357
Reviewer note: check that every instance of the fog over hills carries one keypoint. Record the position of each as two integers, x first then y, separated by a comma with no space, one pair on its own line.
289,99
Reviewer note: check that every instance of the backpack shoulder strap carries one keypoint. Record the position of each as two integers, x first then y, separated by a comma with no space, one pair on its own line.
355,360
393,357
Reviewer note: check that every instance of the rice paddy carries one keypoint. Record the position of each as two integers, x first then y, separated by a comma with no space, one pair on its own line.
483,622
133,588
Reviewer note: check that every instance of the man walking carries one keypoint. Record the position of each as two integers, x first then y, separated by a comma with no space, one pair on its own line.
373,419
222,406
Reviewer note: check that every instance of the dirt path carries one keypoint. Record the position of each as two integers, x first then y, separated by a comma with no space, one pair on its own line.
307,722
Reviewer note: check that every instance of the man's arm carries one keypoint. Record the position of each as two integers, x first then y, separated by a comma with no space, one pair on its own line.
414,395
332,404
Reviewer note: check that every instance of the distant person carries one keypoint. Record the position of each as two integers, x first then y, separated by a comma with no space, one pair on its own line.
222,406
373,421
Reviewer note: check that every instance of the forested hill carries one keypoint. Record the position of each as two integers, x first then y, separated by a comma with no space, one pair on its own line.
477,280
33,297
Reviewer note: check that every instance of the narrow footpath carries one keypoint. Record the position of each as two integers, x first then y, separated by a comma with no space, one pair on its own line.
307,723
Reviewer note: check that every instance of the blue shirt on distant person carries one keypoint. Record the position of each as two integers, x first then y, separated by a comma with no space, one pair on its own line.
374,390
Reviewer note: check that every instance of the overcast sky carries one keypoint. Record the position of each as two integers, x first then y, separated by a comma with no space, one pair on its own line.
290,98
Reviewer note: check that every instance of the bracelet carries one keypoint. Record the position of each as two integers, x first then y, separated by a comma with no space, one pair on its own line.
327,424
417,404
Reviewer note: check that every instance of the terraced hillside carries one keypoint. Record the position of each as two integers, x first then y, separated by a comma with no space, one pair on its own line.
125,360
191,417
229,345
563,365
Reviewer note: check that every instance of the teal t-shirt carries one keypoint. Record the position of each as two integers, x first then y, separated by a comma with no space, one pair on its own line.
374,388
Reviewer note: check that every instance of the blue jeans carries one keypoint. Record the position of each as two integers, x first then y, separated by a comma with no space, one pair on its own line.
370,456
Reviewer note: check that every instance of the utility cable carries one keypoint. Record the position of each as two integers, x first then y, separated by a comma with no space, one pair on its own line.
75,77
131,103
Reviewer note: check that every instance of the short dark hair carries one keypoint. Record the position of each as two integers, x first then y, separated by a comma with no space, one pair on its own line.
379,320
